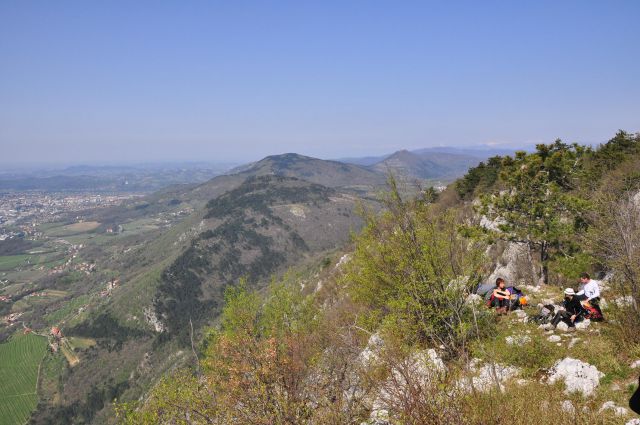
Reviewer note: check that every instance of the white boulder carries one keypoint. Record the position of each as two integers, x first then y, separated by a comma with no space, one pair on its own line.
577,376
343,260
583,325
635,364
370,352
152,319
562,327
635,421
515,264
626,301
488,376
532,288
517,339
567,406
522,315
474,299
554,338
489,224
618,410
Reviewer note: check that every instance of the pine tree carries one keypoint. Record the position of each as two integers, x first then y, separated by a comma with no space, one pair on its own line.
537,206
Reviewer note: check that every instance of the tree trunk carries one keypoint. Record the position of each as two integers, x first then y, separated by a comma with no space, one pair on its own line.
544,258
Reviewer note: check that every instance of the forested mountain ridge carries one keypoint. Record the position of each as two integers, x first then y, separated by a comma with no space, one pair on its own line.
254,231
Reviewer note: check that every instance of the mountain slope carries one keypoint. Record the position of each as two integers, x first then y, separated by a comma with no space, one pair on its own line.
430,165
177,277
324,172
260,228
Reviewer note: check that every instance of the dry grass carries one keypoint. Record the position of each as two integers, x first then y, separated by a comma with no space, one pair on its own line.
533,404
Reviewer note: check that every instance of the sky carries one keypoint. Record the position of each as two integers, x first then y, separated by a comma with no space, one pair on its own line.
235,81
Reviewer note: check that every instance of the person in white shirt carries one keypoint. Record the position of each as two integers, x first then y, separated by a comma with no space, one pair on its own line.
589,290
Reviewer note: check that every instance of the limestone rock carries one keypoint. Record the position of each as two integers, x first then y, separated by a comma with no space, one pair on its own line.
517,339
554,338
370,352
343,260
626,301
489,224
562,327
532,289
635,364
522,315
584,325
577,375
152,319
489,376
515,265
567,406
573,342
474,299
618,410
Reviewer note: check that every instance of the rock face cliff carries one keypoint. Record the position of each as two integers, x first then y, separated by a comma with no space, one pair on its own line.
514,262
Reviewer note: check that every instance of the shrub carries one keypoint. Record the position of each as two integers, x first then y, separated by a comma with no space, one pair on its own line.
413,270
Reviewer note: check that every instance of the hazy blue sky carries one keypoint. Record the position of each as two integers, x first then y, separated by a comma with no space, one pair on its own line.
235,80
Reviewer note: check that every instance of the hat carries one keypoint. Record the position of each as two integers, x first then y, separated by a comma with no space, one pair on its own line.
569,291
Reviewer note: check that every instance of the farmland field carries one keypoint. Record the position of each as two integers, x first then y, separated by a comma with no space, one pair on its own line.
72,229
19,362
9,262
70,308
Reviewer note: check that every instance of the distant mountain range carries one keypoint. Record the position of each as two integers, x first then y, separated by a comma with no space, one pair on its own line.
442,164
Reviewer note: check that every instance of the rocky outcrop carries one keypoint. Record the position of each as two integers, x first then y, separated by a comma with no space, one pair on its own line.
485,377
372,350
152,319
568,407
517,339
514,263
578,376
611,405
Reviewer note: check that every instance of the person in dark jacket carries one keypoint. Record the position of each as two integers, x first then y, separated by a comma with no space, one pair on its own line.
573,311
634,401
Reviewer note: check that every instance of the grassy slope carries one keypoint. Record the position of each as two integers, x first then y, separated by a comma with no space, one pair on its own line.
137,293
595,346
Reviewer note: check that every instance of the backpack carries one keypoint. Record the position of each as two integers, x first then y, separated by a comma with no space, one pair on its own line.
544,316
592,312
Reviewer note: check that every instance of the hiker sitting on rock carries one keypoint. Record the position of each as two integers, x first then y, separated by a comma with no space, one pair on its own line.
589,291
573,311
500,297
